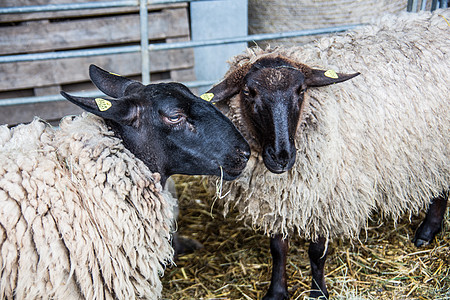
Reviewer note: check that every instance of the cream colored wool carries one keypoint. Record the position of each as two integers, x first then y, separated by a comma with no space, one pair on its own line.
379,141
80,216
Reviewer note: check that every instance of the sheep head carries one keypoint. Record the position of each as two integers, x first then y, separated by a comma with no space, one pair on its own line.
166,126
271,92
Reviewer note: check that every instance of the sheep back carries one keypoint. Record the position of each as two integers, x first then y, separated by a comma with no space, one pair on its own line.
377,142
80,216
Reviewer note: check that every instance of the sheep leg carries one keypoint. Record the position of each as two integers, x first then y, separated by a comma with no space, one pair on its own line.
432,224
317,255
182,245
278,284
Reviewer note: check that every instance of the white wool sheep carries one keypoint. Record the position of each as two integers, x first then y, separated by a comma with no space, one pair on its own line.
80,216
379,141
82,211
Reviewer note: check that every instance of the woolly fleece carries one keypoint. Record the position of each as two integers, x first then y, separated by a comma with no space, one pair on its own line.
80,216
379,141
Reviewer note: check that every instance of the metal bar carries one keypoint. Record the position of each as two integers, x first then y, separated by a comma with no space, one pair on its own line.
424,5
200,83
176,1
77,6
145,47
69,54
434,5
145,57
415,5
51,98
251,38
41,99
178,45
68,6
412,5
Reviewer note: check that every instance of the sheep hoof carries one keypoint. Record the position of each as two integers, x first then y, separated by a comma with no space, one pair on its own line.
425,234
276,297
420,243
315,294
280,295
184,245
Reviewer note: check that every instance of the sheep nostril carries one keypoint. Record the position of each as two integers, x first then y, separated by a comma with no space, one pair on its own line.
281,157
243,153
246,154
268,152
272,154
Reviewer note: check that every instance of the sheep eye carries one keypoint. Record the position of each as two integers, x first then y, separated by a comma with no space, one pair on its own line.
249,92
174,119
301,90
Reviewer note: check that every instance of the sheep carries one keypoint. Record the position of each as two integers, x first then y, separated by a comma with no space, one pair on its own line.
325,156
82,211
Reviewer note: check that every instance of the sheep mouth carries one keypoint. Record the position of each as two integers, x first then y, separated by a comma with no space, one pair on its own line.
277,167
232,169
234,164
231,173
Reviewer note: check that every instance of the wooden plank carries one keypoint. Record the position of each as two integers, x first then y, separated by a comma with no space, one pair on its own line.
74,34
47,90
182,75
8,18
26,17
16,93
14,76
53,111
25,113
13,3
166,22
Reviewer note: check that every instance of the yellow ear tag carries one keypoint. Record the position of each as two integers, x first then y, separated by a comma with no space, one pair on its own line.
207,96
331,74
103,104
115,74
448,23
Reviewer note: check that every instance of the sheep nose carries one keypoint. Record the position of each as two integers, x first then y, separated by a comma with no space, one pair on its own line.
244,153
281,157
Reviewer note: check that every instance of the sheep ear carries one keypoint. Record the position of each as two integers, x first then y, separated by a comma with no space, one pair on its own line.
315,77
112,84
119,110
229,87
222,91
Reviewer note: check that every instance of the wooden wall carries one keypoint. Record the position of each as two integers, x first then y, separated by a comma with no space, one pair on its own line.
83,29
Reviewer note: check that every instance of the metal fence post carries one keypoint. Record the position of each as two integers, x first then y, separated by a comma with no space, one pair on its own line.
412,5
145,58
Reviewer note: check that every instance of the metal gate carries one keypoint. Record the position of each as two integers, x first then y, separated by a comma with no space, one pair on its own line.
145,48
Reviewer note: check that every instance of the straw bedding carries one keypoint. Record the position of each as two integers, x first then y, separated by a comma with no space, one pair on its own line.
80,216
382,264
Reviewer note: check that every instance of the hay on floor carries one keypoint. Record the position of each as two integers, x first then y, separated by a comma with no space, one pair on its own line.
235,262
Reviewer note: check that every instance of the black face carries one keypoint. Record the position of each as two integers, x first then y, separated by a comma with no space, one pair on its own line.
271,101
186,135
272,98
169,128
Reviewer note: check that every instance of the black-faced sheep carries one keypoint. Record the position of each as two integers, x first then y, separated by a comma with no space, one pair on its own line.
82,210
325,156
